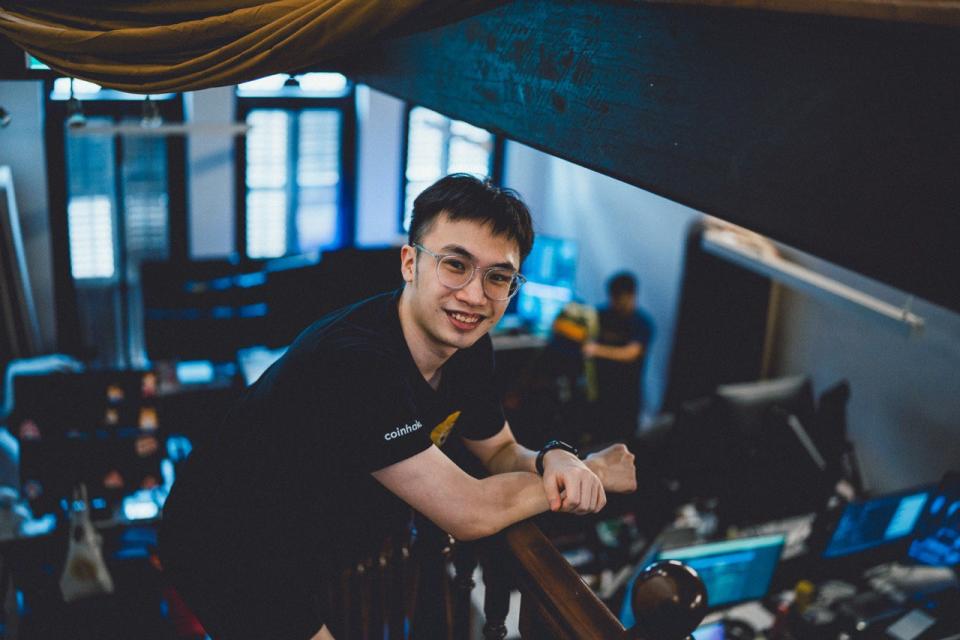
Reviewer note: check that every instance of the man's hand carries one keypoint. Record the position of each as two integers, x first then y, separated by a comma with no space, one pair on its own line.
570,485
589,349
615,467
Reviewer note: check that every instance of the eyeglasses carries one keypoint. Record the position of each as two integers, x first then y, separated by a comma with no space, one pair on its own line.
456,272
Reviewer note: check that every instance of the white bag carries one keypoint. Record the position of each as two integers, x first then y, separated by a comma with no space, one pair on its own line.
84,573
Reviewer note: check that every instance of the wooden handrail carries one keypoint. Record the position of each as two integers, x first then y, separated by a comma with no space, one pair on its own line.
559,605
544,575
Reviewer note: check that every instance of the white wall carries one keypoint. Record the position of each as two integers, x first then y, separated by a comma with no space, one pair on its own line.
904,410
379,139
211,190
618,227
21,147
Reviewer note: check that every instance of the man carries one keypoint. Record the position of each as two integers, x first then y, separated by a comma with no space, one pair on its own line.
327,449
622,339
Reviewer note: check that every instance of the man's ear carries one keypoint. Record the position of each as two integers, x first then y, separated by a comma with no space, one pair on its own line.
408,262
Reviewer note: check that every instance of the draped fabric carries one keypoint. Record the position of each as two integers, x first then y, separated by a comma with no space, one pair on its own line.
154,46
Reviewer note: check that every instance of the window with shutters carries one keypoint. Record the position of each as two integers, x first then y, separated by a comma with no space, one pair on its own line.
120,188
437,146
295,165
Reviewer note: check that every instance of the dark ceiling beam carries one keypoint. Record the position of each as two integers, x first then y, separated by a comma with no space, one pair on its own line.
840,137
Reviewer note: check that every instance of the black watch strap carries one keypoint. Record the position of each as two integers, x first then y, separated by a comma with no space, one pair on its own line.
550,446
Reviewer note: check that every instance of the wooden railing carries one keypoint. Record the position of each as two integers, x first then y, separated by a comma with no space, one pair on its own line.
668,600
421,588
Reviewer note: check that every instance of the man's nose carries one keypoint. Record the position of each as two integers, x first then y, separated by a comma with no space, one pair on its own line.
473,293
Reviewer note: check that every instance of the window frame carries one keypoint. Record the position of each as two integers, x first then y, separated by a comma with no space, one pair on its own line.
497,159
346,190
115,106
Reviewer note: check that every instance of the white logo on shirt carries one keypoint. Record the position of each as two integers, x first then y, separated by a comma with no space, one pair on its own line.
402,431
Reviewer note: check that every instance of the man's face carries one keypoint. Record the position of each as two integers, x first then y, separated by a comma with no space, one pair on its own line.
456,318
624,303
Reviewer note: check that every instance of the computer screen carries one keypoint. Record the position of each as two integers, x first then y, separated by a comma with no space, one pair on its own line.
774,467
732,570
551,271
301,289
937,538
710,631
203,309
870,524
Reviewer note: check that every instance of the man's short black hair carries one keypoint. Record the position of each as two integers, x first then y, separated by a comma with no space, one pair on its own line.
464,197
621,283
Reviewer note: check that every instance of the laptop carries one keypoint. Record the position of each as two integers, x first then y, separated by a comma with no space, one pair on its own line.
733,571
877,529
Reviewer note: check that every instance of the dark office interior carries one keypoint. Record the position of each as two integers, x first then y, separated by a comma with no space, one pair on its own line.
779,176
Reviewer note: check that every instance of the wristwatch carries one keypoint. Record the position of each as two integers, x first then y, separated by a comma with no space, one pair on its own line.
550,446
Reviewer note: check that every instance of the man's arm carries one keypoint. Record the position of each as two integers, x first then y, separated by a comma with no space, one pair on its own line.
563,473
630,352
464,506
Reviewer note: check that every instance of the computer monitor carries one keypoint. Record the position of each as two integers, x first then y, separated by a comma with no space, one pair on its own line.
774,466
301,289
551,271
202,309
733,571
878,526
937,538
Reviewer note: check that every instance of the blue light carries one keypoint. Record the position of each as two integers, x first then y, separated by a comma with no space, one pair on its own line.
908,511
253,310
195,372
140,507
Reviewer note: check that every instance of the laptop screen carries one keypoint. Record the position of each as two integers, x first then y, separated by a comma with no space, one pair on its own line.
873,523
733,570
937,539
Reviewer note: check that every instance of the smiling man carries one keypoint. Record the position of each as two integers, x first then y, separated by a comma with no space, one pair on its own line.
327,452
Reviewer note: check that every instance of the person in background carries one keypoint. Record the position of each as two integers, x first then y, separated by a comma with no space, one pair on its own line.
623,337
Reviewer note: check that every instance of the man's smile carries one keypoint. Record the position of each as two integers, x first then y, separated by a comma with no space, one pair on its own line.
464,320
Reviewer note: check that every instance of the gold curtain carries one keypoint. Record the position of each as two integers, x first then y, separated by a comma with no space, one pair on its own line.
154,46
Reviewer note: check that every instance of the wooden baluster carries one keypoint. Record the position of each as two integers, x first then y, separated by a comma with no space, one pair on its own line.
380,610
464,562
365,574
528,618
431,603
400,588
346,595
496,600
535,624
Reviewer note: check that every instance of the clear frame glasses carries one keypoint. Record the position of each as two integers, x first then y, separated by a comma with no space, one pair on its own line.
456,272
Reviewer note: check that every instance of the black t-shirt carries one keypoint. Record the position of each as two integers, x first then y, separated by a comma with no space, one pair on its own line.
619,382
288,474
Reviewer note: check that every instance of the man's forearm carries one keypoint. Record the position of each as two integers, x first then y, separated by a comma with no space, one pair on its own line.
626,353
513,457
507,498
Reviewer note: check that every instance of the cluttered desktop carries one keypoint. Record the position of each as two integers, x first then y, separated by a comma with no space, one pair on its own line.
878,567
